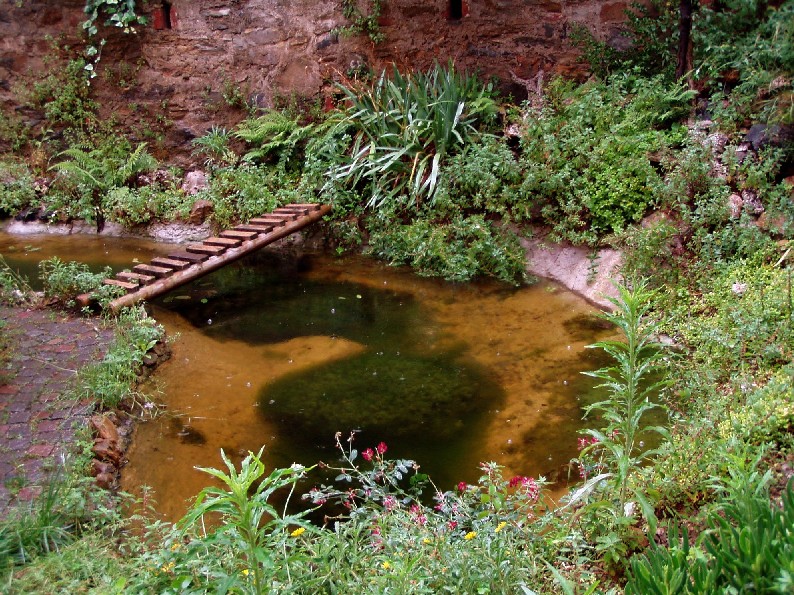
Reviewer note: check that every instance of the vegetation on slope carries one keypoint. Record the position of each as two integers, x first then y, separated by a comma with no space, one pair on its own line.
692,180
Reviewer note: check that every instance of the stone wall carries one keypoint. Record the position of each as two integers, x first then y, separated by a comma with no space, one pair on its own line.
195,53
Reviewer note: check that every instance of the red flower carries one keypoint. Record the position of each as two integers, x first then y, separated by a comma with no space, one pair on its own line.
462,486
368,454
381,448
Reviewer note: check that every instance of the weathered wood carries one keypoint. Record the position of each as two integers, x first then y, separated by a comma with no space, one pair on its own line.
226,242
170,263
147,269
137,278
188,257
205,249
258,229
212,263
270,220
239,235
123,284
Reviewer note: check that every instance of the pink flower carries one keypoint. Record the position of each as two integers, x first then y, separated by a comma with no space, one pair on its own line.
462,486
381,448
452,525
368,454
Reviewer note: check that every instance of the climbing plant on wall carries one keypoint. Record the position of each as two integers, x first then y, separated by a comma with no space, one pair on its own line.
117,13
363,21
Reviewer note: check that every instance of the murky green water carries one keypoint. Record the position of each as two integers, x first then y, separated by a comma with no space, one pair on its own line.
284,353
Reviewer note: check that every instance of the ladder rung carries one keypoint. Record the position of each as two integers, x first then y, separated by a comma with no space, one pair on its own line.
135,277
188,257
129,287
205,249
268,221
255,228
147,269
226,242
170,263
238,235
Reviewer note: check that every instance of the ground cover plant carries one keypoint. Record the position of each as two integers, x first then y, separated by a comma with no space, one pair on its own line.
419,173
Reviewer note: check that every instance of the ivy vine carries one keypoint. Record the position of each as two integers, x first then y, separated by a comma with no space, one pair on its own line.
363,22
117,13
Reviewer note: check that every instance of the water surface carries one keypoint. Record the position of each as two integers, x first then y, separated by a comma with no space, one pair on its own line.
284,352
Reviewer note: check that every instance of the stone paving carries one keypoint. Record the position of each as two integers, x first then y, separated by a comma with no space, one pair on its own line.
38,424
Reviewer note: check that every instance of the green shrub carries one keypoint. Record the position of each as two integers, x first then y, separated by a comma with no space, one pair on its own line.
461,250
17,187
247,191
587,157
92,173
64,281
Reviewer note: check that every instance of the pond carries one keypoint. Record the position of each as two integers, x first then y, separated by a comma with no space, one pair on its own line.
285,351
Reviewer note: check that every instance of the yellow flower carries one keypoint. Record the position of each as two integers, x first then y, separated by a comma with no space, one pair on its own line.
246,572
500,526
386,565
470,535
426,541
298,532
176,546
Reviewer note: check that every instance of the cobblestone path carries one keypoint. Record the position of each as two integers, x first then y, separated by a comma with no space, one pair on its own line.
38,423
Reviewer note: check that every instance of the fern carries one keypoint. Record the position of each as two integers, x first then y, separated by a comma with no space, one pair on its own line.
273,134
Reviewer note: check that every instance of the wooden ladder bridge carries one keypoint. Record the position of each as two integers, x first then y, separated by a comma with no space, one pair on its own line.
165,273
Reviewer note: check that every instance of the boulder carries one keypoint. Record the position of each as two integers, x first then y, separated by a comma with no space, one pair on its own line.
201,210
195,181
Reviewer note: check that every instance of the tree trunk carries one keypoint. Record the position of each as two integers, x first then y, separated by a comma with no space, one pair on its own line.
684,64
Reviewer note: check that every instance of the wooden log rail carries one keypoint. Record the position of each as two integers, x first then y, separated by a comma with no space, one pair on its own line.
147,281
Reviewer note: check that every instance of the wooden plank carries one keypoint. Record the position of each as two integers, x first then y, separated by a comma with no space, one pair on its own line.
255,228
205,249
300,209
226,242
148,269
170,263
188,257
200,269
274,221
137,278
239,235
123,284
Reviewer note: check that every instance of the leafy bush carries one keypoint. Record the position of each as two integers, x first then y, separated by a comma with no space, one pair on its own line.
465,248
64,281
113,380
93,172
274,134
587,156
17,187
247,191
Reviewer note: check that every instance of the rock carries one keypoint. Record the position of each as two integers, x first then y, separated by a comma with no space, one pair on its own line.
106,451
752,204
195,181
717,142
102,467
735,204
105,429
105,480
773,225
201,210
